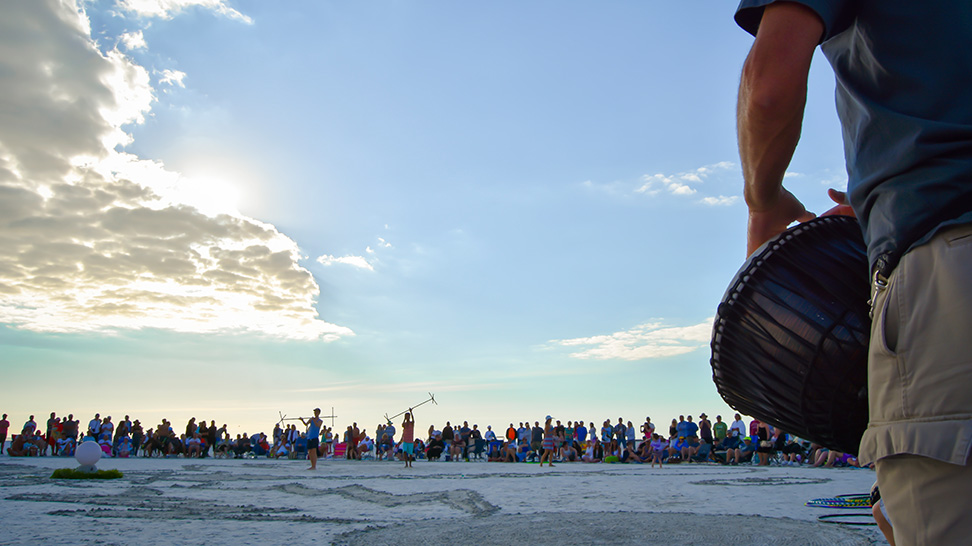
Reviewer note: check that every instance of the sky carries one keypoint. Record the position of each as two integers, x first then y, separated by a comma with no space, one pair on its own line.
238,209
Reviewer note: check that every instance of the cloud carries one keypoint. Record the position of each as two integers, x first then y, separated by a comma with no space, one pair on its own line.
172,77
680,184
720,201
133,40
354,261
167,9
656,183
650,340
96,240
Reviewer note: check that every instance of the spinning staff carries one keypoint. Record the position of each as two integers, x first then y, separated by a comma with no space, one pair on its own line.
409,410
283,417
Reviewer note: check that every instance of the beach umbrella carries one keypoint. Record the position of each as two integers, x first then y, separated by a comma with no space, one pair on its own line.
789,342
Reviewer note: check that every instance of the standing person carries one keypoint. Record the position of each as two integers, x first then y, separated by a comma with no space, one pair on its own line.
705,428
465,436
738,428
52,423
408,439
902,96
648,428
203,432
4,427
523,435
580,432
107,428
213,437
620,432
536,438
719,429
124,428
138,436
549,443
511,434
313,437
94,426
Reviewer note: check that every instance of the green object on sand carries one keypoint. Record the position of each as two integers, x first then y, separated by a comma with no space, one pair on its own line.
74,474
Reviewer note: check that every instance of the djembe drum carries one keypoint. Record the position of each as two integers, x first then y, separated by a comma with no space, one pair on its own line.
789,343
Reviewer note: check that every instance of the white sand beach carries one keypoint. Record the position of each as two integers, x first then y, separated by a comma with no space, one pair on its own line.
178,501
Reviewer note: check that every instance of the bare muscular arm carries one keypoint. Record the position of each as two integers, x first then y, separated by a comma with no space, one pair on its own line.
772,96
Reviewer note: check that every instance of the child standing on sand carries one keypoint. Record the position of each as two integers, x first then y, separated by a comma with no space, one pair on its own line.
657,450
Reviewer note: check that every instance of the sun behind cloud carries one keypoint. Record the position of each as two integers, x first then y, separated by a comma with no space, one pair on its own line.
93,239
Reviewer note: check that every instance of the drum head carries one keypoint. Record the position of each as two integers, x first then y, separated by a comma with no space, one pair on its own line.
789,343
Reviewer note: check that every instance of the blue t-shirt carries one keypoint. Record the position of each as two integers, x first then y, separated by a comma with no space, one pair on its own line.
682,428
581,433
691,429
904,78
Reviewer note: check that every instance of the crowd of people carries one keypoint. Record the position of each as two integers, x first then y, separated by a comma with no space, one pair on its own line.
686,441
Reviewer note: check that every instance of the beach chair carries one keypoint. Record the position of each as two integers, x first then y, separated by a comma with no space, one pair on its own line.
300,451
702,455
477,450
369,455
340,450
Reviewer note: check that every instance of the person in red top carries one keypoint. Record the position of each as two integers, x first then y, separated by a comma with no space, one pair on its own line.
408,440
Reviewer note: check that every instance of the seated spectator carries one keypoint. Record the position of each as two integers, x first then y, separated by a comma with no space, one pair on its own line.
386,449
612,453
588,455
366,447
729,442
835,458
434,450
173,445
243,446
194,446
105,442
742,454
280,449
66,447
633,454
690,447
675,449
570,453
225,446
22,445
124,447
300,444
261,448
456,449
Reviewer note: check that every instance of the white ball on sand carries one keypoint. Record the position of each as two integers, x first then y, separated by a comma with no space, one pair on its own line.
88,454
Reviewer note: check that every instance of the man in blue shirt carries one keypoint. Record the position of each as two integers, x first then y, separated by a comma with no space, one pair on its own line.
904,77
